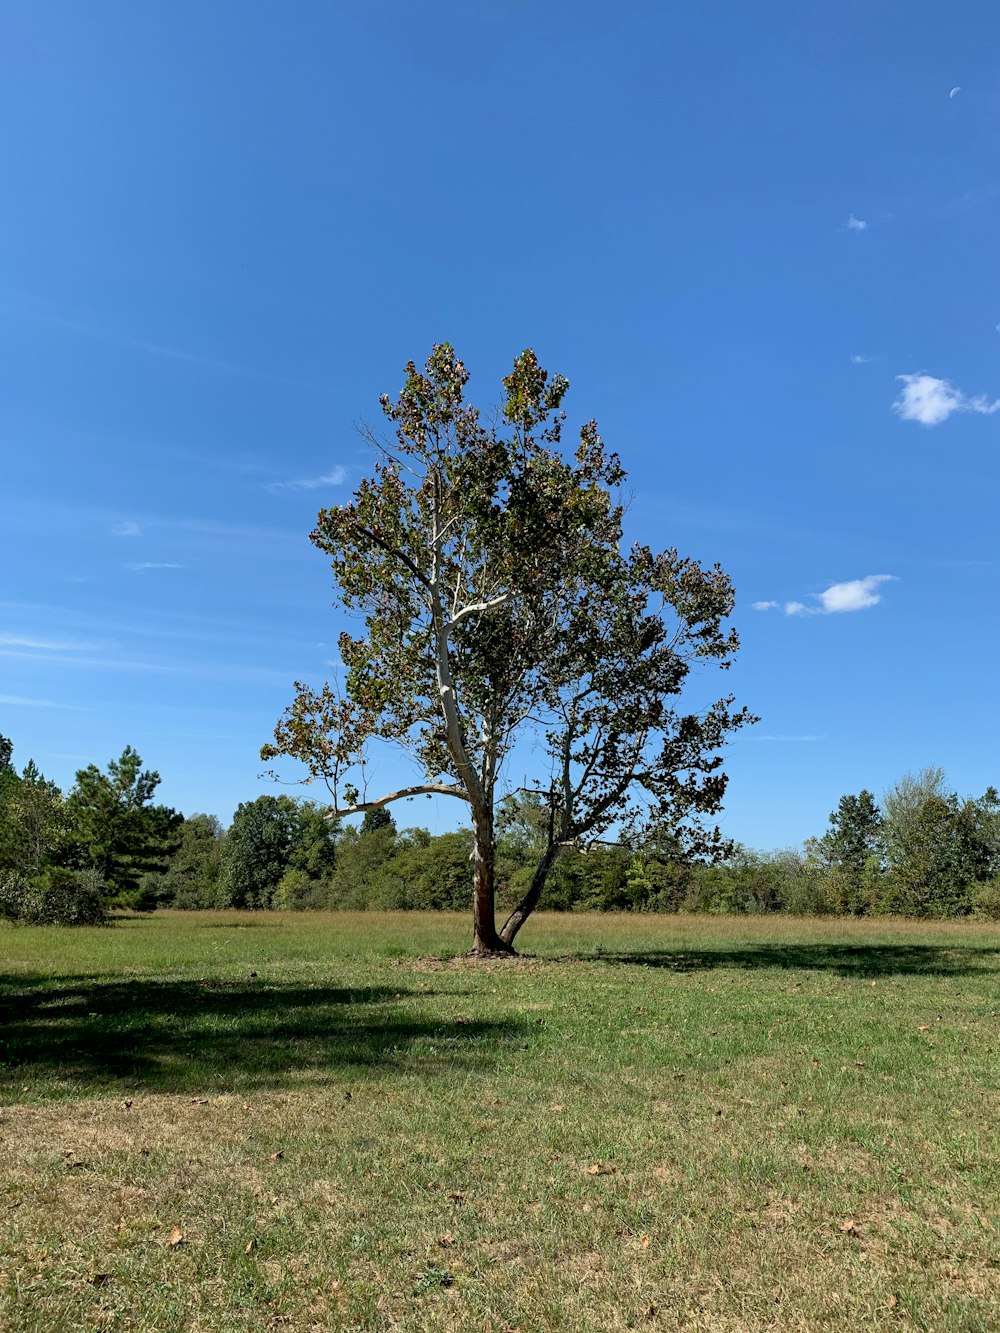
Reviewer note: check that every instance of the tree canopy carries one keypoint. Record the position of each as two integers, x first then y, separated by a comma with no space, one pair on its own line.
489,571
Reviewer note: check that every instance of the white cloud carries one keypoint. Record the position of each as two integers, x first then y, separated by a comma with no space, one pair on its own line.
852,595
929,401
858,360
336,477
127,528
140,566
955,91
856,224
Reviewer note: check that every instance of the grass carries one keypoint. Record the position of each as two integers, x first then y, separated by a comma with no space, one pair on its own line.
224,1121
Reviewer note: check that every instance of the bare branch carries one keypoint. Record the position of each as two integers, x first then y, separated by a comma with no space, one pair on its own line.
421,789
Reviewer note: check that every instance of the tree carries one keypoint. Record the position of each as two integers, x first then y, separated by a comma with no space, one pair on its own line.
377,818
32,820
496,597
938,846
314,841
191,877
853,850
256,852
114,828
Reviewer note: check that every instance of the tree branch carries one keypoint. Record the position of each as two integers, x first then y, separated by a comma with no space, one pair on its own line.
478,608
421,789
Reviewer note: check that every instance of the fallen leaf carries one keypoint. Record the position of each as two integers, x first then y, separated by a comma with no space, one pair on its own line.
276,1156
250,1246
457,1196
557,1108
126,1104
644,1241
199,1101
892,1302
923,1027
446,1240
849,1226
100,1279
595,1170
176,1238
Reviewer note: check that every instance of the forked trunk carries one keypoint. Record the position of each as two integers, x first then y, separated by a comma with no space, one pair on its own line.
486,941
529,902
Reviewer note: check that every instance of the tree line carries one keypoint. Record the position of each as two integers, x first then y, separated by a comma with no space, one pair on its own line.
73,857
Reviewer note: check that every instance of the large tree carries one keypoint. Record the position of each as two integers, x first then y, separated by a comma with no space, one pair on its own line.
496,597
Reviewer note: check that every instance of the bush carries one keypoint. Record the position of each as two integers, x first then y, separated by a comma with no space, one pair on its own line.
298,892
985,900
57,897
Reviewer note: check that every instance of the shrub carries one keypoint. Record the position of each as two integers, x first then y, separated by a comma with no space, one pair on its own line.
57,897
298,892
985,900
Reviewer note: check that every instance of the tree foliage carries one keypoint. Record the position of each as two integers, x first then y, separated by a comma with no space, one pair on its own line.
489,572
113,826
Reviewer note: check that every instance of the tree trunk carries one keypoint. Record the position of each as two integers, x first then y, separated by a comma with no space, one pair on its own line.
529,902
486,941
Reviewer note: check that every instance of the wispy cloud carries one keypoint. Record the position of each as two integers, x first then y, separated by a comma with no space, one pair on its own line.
955,91
856,224
858,360
90,327
929,401
336,477
19,701
224,671
127,528
140,566
46,645
852,595
795,740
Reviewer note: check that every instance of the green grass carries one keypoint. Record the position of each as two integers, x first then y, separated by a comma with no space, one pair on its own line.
691,1123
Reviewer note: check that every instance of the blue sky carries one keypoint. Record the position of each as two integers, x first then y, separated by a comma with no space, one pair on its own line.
733,227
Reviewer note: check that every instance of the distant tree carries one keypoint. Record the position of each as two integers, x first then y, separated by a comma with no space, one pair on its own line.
113,827
496,598
852,851
361,859
939,847
377,819
257,852
190,879
32,821
314,841
6,754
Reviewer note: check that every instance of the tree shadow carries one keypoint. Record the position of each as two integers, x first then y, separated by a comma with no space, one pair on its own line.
847,960
183,1036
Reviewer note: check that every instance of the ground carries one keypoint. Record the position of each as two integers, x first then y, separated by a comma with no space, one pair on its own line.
306,1121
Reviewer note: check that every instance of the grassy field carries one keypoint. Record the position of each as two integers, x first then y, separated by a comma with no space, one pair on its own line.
224,1121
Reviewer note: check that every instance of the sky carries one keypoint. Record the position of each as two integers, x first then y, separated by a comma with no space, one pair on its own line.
759,240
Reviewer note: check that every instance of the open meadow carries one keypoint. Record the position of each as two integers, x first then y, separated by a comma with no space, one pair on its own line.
222,1121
